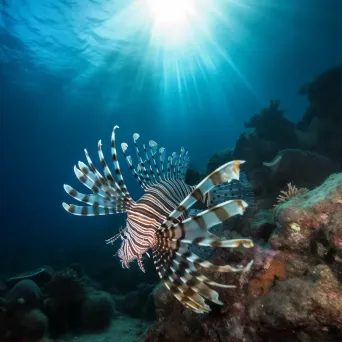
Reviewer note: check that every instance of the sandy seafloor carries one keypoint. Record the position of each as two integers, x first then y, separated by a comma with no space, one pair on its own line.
122,329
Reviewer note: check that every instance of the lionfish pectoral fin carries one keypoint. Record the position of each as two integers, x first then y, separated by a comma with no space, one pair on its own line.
109,195
177,265
240,188
225,173
140,263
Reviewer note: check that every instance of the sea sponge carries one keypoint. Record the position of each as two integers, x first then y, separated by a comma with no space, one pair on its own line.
97,310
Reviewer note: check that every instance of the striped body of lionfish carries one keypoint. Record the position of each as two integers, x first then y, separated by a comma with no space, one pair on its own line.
161,220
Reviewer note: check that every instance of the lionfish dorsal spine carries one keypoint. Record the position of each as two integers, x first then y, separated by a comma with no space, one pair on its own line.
108,195
152,175
97,177
129,160
141,164
153,150
106,171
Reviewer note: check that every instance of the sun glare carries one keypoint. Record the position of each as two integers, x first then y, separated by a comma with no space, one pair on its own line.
172,19
171,12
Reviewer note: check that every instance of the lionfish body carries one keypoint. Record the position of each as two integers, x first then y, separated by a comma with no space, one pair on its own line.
160,220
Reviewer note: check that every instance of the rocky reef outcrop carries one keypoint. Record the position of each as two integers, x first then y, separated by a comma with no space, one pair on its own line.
293,291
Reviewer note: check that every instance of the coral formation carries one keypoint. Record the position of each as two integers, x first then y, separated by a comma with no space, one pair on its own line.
271,125
294,289
291,192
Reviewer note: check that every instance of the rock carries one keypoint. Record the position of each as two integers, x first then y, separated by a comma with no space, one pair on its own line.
312,218
97,310
25,294
254,150
301,304
324,95
41,276
33,325
138,303
302,168
218,159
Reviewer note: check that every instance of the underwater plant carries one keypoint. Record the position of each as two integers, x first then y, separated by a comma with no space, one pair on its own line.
160,219
291,192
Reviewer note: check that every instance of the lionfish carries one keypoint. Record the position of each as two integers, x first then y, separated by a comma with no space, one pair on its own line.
160,219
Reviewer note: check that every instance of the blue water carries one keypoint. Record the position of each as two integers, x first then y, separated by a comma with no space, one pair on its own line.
71,70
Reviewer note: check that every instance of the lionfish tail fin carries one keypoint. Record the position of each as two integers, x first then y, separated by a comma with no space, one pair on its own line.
109,194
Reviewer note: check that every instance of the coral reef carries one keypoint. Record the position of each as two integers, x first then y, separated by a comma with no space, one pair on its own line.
271,125
294,290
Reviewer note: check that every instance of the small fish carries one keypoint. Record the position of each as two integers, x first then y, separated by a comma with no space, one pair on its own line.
159,220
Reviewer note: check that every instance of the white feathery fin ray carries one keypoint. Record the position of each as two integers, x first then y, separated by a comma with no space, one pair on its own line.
90,183
88,210
153,150
152,170
148,160
169,163
93,199
180,163
174,161
138,177
121,182
161,160
185,164
106,171
136,136
194,230
225,173
99,178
